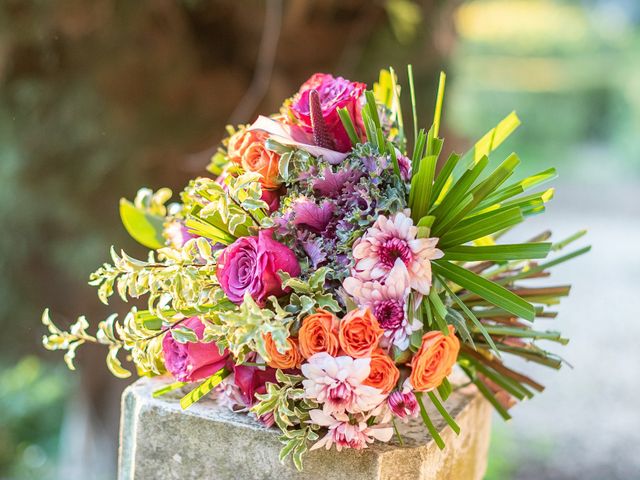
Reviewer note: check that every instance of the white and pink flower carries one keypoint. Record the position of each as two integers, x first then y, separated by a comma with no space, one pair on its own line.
390,239
348,431
337,383
403,403
388,303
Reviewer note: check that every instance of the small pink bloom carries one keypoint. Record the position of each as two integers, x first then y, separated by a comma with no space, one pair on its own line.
388,303
177,233
251,264
337,383
192,361
403,404
348,432
390,239
334,92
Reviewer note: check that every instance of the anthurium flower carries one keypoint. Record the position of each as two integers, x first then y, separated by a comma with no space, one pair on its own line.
334,93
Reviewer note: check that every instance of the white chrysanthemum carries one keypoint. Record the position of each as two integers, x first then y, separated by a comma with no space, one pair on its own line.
348,432
336,383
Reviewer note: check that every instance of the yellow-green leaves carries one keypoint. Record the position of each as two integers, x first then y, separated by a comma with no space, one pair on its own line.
145,228
204,388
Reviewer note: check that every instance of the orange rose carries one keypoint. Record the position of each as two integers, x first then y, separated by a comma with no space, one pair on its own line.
384,373
318,334
359,333
289,359
435,359
247,148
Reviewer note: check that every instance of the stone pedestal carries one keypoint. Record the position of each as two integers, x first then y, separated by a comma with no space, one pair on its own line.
159,441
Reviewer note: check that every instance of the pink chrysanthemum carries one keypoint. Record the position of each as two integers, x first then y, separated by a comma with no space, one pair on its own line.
390,239
388,303
348,432
336,382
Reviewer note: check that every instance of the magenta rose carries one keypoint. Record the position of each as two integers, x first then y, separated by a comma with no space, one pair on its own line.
272,197
334,93
252,380
251,264
190,362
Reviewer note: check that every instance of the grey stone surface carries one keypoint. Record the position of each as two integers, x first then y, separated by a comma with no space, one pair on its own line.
159,441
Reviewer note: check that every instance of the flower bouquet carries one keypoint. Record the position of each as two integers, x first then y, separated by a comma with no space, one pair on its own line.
332,271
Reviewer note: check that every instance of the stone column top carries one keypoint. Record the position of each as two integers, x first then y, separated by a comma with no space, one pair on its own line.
158,440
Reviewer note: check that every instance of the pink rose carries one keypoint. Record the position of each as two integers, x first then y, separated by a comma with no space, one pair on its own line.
251,264
190,362
334,93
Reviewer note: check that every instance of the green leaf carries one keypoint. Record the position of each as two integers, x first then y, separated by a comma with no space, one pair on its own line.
498,253
114,365
490,396
459,189
439,311
143,227
519,187
182,334
494,137
544,266
204,388
481,226
572,238
439,100
347,122
490,291
484,188
421,185
472,317
443,177
414,109
443,411
167,388
445,389
428,423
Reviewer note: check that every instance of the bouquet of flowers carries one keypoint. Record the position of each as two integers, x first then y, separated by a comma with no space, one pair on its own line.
331,272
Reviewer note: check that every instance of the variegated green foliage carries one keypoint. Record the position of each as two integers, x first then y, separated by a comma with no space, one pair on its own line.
308,295
285,400
145,344
242,329
224,213
292,161
181,278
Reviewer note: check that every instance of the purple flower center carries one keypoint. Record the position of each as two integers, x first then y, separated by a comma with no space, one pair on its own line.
390,314
392,249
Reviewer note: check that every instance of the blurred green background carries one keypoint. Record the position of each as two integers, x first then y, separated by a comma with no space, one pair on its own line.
98,98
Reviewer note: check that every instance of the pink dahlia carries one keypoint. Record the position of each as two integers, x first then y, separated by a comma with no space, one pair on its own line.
348,432
337,383
390,239
388,303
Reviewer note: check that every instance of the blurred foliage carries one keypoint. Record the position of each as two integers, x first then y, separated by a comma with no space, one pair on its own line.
32,397
565,66
99,98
